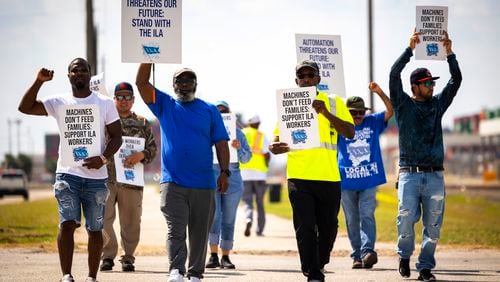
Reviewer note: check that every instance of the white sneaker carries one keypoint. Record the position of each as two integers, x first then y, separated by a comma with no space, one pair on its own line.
90,279
67,278
194,279
175,276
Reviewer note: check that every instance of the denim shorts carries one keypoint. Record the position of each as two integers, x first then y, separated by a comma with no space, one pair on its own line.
74,193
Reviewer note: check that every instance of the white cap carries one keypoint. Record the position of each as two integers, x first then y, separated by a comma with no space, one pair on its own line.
254,119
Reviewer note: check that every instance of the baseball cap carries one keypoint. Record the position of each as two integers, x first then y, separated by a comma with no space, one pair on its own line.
124,87
222,103
254,119
420,75
184,70
308,64
356,103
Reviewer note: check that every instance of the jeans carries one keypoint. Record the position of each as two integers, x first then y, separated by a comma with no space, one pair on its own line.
224,219
74,193
315,206
420,193
359,211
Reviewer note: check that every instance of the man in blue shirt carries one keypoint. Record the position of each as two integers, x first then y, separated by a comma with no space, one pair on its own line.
421,155
189,129
362,169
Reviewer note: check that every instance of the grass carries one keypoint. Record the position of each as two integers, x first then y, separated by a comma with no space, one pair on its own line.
468,221
29,223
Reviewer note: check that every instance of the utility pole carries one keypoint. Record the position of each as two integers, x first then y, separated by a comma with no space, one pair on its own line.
370,52
91,37
18,123
9,124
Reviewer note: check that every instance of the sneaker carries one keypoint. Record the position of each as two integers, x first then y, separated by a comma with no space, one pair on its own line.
404,267
426,275
247,229
357,264
213,261
107,265
67,278
175,276
369,260
127,266
226,263
91,279
194,279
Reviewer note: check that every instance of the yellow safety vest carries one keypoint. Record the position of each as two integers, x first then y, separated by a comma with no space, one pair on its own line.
320,163
255,140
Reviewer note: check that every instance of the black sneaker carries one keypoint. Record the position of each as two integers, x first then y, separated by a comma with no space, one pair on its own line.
357,264
107,265
426,275
247,229
369,260
404,267
226,263
213,262
128,266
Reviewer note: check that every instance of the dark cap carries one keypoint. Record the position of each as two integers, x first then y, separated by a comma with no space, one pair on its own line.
124,87
356,103
308,64
184,70
420,75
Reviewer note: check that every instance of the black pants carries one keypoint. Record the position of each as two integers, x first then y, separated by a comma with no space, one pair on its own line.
315,206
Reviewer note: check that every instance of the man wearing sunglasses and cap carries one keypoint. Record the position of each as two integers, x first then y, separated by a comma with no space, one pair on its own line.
362,170
314,178
127,197
189,129
421,183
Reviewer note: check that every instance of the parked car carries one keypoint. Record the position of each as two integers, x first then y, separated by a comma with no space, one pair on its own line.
14,182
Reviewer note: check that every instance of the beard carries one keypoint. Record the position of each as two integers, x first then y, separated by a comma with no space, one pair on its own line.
80,85
184,96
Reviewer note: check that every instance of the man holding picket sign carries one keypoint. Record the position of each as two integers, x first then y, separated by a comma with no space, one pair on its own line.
420,185
81,172
314,178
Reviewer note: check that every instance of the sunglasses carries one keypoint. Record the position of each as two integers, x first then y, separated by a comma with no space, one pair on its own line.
304,75
429,83
184,81
357,112
122,97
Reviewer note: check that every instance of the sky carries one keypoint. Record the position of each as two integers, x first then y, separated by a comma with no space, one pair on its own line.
242,51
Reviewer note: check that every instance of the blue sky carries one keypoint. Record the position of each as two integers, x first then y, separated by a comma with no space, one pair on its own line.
242,51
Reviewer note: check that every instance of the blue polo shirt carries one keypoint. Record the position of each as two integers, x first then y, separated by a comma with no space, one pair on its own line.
188,132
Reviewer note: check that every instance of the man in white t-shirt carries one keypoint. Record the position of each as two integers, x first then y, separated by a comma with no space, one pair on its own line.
81,173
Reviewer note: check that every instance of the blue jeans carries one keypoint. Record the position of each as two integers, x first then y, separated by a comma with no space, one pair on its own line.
74,193
420,193
359,211
224,218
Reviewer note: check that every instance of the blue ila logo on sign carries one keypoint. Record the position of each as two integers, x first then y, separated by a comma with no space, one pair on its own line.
151,51
80,153
432,49
129,175
299,136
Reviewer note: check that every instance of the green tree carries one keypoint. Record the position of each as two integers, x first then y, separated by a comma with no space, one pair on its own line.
25,163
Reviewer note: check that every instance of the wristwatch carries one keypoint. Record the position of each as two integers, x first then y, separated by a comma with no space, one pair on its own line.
103,159
226,171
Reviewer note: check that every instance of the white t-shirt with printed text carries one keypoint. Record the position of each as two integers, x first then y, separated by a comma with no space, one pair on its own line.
107,115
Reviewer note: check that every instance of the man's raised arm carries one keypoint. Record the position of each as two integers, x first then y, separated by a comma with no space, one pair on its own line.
146,89
29,105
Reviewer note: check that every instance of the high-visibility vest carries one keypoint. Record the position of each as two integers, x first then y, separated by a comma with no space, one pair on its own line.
320,163
255,140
